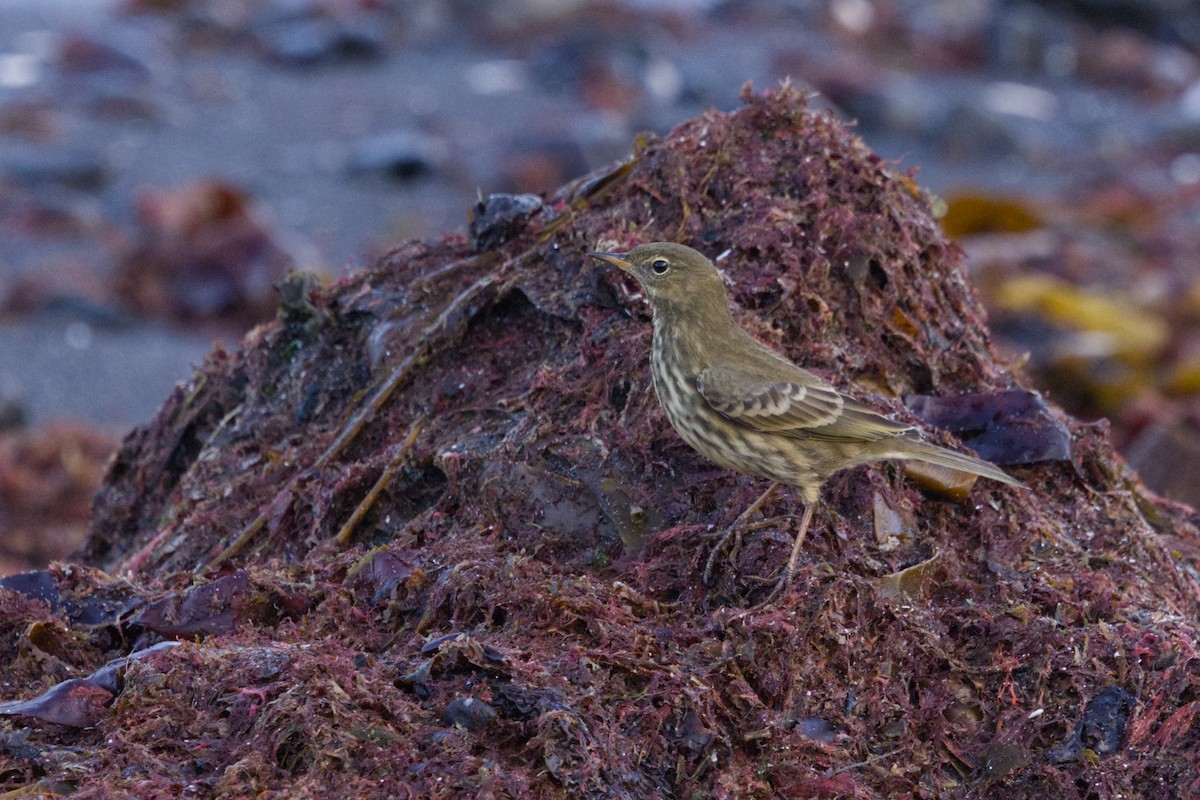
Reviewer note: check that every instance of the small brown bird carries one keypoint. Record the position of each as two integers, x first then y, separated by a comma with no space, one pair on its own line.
749,409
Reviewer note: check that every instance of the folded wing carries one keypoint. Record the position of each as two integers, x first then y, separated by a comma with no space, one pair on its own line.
791,401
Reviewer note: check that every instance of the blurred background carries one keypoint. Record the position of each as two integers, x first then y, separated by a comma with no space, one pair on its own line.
164,162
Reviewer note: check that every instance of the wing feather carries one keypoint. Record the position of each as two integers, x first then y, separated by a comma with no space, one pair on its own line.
797,404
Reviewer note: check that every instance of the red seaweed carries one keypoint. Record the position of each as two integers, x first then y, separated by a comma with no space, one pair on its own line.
518,609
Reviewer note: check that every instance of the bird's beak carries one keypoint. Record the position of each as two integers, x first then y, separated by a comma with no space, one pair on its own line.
616,259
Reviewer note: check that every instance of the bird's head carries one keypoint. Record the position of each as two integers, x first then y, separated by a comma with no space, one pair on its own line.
674,276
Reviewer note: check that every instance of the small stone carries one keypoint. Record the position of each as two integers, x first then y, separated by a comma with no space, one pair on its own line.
83,54
969,133
1166,454
500,218
401,155
694,737
1001,759
469,713
77,169
310,42
1102,728
12,414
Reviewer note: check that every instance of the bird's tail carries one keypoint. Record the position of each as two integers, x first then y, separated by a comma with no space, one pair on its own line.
932,454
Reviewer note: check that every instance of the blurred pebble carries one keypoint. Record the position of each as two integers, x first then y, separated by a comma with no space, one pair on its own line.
74,168
1166,455
1185,169
534,165
310,42
970,133
12,414
903,106
19,70
1189,102
32,120
497,76
83,54
855,16
507,17
401,155
1029,40
1019,100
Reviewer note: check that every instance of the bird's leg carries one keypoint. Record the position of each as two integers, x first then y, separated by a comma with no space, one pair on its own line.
735,531
790,569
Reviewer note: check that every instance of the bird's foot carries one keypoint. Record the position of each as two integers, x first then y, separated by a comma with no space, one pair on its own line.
780,587
732,532
789,569
735,532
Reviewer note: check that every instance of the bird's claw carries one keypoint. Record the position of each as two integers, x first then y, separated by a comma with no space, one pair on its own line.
734,532
781,586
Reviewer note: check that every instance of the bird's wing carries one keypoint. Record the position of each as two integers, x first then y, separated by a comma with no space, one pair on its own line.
791,402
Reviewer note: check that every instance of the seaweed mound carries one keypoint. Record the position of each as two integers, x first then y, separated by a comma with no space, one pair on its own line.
429,534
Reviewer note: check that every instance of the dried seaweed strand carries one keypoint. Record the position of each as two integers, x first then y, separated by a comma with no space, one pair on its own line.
353,426
416,358
385,478
865,763
243,538
133,564
584,193
701,188
455,266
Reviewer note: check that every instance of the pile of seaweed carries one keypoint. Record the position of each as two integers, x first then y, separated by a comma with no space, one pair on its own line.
429,534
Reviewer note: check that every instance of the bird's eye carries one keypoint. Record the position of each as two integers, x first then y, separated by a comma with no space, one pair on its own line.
659,266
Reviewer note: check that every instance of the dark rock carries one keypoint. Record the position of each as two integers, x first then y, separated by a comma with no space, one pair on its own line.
316,41
499,218
1167,456
12,414
1028,39
970,133
83,54
1168,20
469,713
33,166
1102,728
401,156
